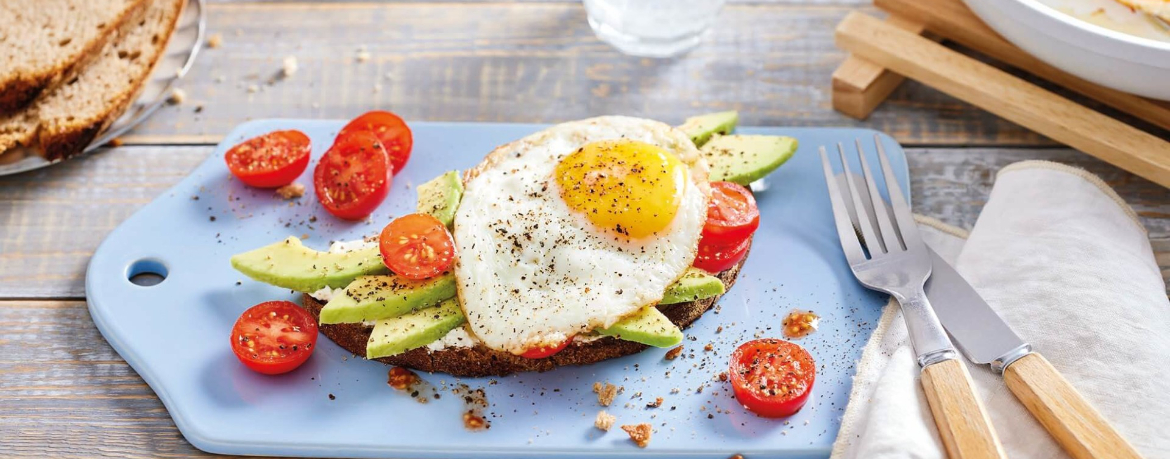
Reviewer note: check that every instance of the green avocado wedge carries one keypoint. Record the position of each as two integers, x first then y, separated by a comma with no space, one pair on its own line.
701,128
383,297
440,197
289,264
647,326
400,334
744,159
694,285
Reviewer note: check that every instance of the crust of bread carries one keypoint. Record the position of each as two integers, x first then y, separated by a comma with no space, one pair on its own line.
481,361
19,90
57,144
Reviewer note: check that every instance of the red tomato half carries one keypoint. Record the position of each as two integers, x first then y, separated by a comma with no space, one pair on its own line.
274,337
353,177
417,246
390,130
717,257
772,377
272,160
546,351
732,215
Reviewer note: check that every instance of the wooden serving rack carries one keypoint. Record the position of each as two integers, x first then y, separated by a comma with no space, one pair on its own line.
884,53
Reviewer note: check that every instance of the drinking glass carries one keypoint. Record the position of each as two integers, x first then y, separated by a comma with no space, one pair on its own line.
652,28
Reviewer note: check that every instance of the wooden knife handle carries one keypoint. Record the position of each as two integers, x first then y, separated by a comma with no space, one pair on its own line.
1071,420
962,421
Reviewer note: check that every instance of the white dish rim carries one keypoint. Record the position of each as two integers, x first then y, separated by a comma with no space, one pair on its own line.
1146,45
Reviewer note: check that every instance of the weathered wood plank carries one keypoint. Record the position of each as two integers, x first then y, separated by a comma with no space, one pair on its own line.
536,62
53,219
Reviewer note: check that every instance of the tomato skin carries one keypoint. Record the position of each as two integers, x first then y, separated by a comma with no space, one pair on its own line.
417,246
271,160
716,257
732,214
390,130
353,177
274,337
788,370
546,351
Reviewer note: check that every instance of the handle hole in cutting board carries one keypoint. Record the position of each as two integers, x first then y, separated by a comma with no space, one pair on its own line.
147,272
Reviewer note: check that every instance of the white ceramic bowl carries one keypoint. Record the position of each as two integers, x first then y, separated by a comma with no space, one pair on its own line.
1109,58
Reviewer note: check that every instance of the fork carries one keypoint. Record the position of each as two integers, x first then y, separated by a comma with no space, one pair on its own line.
888,255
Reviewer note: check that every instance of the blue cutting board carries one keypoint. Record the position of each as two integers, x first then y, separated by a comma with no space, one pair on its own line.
175,334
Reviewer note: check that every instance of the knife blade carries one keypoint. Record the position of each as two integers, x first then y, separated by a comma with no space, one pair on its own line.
977,330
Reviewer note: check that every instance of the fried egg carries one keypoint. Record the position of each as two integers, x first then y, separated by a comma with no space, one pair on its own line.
575,227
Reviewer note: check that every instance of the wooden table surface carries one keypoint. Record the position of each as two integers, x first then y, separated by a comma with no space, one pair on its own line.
64,392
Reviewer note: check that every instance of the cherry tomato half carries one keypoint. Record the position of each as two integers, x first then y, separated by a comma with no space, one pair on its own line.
353,177
274,337
390,129
546,351
772,377
716,257
732,215
417,246
272,160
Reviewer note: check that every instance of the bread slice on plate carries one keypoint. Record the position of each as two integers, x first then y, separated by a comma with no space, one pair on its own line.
42,41
61,122
481,361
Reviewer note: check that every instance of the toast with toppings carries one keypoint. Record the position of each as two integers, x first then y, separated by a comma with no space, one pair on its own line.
479,360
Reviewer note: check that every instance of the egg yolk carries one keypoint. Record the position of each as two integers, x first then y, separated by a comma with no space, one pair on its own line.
631,188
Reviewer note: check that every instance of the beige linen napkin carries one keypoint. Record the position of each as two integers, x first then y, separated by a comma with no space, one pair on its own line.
1068,265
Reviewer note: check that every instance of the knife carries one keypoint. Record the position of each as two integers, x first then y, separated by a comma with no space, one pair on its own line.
984,338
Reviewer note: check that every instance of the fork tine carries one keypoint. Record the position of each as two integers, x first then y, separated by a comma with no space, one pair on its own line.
905,219
863,222
849,243
889,236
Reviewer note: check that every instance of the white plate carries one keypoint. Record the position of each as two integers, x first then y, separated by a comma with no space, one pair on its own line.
1109,58
185,42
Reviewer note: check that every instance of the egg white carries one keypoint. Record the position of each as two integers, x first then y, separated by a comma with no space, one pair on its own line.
532,272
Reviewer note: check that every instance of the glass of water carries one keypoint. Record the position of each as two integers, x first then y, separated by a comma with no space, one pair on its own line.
652,28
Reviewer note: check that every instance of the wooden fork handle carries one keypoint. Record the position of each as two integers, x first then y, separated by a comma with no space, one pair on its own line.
1071,420
962,421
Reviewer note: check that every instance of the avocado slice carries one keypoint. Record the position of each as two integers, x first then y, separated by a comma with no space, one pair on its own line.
383,297
647,326
440,197
291,265
701,128
693,285
744,159
419,328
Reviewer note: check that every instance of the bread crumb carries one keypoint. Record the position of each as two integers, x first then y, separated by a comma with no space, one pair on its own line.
177,96
709,347
288,67
673,353
291,191
605,393
719,329
639,433
723,376
215,40
604,420
655,404
117,142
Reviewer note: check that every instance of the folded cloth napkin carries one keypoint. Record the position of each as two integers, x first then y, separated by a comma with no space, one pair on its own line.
1069,266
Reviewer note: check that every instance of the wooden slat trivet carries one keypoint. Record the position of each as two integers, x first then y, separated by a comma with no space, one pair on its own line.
953,21
1005,95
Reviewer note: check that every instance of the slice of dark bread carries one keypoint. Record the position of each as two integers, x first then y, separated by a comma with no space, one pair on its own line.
62,121
42,41
482,361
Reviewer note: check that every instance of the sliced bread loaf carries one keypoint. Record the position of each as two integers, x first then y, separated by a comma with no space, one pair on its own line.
42,41
62,121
